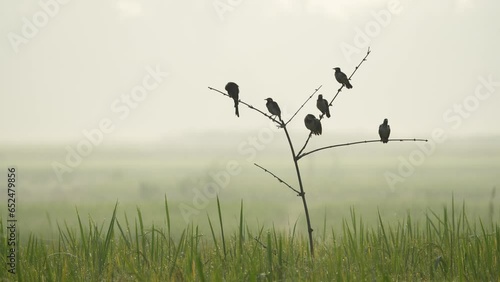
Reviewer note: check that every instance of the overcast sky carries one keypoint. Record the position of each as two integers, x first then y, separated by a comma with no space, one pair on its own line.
140,69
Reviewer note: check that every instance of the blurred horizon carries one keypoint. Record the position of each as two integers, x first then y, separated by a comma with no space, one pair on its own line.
239,135
188,175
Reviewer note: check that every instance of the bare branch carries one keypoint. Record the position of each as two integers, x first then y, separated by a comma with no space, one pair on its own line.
281,123
315,91
358,142
279,179
296,157
331,102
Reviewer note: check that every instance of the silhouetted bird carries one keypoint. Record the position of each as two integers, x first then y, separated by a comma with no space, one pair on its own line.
233,91
313,124
342,78
384,130
273,107
322,105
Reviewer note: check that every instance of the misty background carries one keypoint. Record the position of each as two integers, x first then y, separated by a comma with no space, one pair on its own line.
67,68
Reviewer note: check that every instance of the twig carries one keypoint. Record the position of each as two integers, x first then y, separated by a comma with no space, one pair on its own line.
364,59
315,91
250,107
279,179
357,142
331,102
305,144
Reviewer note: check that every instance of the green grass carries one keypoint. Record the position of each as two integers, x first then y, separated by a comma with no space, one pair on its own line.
363,229
446,245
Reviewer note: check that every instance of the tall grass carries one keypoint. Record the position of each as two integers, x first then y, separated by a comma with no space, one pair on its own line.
447,245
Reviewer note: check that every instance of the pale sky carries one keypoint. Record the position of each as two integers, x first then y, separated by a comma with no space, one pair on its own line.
66,64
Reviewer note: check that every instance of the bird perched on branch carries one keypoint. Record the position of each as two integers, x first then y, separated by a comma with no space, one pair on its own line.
313,124
342,78
233,91
273,107
384,130
322,106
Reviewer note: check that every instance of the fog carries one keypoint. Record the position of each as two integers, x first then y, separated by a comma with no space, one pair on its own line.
109,102
394,178
69,65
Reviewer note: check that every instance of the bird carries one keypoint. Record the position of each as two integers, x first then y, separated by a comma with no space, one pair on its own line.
313,124
322,105
384,130
233,91
342,78
273,107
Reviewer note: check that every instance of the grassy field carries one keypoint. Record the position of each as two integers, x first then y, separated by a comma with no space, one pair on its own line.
364,228
444,246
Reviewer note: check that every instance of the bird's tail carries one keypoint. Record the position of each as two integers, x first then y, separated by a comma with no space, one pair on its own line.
328,114
236,111
348,84
319,130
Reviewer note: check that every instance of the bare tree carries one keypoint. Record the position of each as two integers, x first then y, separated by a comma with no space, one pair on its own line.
301,153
